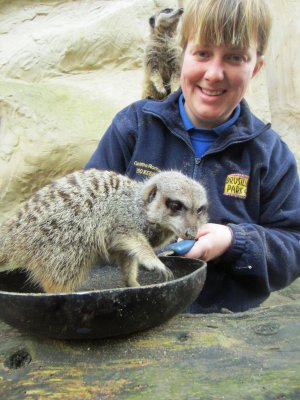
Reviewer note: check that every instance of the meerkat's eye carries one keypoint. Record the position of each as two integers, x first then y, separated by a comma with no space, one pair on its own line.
174,205
167,10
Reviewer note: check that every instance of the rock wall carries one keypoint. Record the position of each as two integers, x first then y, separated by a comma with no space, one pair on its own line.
66,67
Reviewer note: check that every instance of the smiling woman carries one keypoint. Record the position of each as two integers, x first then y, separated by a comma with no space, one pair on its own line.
223,43
214,79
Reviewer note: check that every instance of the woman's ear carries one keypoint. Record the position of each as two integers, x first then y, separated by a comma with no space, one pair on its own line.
259,63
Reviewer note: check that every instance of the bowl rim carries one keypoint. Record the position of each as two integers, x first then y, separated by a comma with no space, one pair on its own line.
202,266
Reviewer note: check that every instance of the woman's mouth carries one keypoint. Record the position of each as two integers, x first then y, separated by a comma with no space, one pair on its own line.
208,92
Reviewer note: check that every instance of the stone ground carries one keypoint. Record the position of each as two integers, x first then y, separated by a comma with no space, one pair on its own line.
253,355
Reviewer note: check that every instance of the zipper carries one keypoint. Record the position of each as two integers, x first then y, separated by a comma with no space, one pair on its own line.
196,168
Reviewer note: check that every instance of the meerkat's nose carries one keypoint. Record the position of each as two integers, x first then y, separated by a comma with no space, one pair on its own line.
190,234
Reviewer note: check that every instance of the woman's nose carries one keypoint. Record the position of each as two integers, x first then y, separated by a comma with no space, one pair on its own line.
214,71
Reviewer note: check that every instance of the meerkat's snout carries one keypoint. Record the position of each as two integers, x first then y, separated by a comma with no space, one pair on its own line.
186,221
193,221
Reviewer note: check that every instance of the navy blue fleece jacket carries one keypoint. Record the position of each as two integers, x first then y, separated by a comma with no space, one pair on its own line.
253,187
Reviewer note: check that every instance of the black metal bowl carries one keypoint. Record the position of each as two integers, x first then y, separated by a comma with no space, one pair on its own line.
102,308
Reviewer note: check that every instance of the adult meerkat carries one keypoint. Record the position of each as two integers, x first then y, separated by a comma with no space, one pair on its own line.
59,233
162,60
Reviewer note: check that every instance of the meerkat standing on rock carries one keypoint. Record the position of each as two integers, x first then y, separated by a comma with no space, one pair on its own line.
59,233
162,55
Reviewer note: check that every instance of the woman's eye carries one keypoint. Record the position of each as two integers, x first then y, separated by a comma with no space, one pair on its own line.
174,205
202,54
235,58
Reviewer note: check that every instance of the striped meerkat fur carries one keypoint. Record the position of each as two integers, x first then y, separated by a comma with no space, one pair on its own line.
68,225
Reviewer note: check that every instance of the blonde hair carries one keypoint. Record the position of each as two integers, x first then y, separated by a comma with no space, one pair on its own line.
236,23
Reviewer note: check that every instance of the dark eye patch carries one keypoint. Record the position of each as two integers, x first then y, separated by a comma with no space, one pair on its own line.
175,205
167,10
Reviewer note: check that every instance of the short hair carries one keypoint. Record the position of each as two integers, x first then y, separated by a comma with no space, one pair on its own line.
235,23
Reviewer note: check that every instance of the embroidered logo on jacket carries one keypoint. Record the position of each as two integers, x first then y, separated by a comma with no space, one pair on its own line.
236,185
145,168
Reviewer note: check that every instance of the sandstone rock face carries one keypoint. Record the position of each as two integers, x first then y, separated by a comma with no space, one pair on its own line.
66,67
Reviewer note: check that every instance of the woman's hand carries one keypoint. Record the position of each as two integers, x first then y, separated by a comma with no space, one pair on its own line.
213,241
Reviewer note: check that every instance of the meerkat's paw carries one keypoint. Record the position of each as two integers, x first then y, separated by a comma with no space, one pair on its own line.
157,266
161,91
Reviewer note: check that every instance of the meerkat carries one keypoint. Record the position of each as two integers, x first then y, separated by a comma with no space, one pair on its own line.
162,60
67,226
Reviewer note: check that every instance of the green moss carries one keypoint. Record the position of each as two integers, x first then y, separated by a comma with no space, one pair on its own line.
60,106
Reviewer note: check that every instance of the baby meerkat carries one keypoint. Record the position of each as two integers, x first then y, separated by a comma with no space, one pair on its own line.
60,232
162,55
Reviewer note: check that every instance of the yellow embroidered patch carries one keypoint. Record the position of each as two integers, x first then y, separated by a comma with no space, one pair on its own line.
236,185
145,169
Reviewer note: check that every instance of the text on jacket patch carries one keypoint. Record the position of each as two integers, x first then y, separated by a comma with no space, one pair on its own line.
236,185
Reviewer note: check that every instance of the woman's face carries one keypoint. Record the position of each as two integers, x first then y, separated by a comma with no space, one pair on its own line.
214,79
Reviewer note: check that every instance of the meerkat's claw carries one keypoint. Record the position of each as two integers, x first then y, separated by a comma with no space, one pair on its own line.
159,267
168,274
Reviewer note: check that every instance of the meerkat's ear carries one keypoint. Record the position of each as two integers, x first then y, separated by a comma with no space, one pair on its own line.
150,193
152,22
